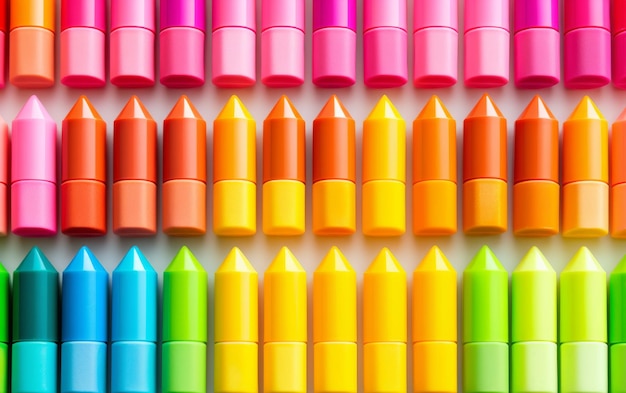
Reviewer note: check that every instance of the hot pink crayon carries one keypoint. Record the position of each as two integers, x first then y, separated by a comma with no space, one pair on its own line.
4,11
619,43
131,51
4,175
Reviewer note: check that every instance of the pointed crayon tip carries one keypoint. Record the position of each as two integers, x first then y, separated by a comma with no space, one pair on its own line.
334,261
84,261
285,261
485,107
385,262
35,261
284,109
236,261
621,117
234,109
536,109
184,109
583,261
334,109
621,267
83,109
485,260
434,109
534,261
184,261
384,109
134,109
34,109
586,109
435,260
134,261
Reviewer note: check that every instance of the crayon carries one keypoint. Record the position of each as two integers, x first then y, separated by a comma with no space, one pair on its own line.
184,334
334,325
537,44
582,326
181,43
35,332
435,43
384,43
484,170
619,43
434,171
585,193
334,171
282,43
536,172
4,10
33,171
617,327
485,325
285,325
83,29
134,171
131,45
533,333
384,172
234,171
434,325
283,170
83,171
236,325
334,43
587,36
31,43
184,171
234,26
5,295
133,325
618,178
5,149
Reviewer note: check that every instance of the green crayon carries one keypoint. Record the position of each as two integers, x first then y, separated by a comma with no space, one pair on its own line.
617,327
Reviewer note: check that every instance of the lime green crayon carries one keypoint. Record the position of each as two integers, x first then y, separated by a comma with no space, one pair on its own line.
534,366
617,327
184,325
583,327
485,325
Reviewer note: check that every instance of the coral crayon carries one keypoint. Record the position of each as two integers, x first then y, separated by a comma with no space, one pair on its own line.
234,171
334,171
236,325
184,171
617,327
618,178
4,10
285,325
5,292
585,193
283,170
134,171
619,43
5,149
434,171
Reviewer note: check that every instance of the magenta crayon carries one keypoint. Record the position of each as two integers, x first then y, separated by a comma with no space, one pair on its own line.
282,43
234,26
131,46
619,43
537,43
33,171
586,44
334,43
181,43
435,43
486,43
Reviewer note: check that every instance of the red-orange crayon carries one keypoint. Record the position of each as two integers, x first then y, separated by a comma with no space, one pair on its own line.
618,177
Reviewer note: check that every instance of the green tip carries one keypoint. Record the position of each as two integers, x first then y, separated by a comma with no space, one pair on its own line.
184,261
385,262
236,261
334,261
435,260
533,261
583,261
621,267
3,270
485,260
35,261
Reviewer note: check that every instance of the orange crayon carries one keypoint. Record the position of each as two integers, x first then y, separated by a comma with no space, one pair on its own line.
618,177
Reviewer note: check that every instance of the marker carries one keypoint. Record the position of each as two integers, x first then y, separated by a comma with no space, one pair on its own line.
31,43
384,43
486,43
618,178
534,366
617,327
384,160
334,172
587,36
234,26
236,325
4,10
435,43
184,171
285,325
131,46
585,192
619,43
35,326
84,167
583,328
4,176
536,190
134,171
234,171
33,171
282,43
434,325
485,325
334,43
283,170
334,325
84,325
5,295
181,43
434,171
537,44
184,334
484,170
83,29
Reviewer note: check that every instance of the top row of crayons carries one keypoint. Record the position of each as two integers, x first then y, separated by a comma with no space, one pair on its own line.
587,43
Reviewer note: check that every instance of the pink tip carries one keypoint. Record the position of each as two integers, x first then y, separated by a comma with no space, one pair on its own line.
182,57
82,57
435,57
334,57
537,58
486,13
133,13
282,57
385,57
384,13
132,57
486,57
234,68
441,13
234,13
282,13
587,58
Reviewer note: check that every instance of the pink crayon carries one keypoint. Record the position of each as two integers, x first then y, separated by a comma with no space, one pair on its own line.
435,39
131,52
82,43
486,43
619,43
282,43
4,175
33,171
4,11
234,43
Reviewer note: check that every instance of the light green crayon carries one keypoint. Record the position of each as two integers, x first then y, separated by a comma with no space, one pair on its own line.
617,327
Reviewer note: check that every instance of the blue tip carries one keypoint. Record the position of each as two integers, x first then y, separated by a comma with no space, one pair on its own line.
134,261
84,261
35,261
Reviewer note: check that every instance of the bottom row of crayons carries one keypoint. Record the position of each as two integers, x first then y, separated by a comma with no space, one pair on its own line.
538,363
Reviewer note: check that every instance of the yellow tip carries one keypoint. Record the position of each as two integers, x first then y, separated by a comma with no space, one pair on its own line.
236,261
385,262
533,261
384,109
435,260
583,261
285,261
334,261
586,109
434,109
234,109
